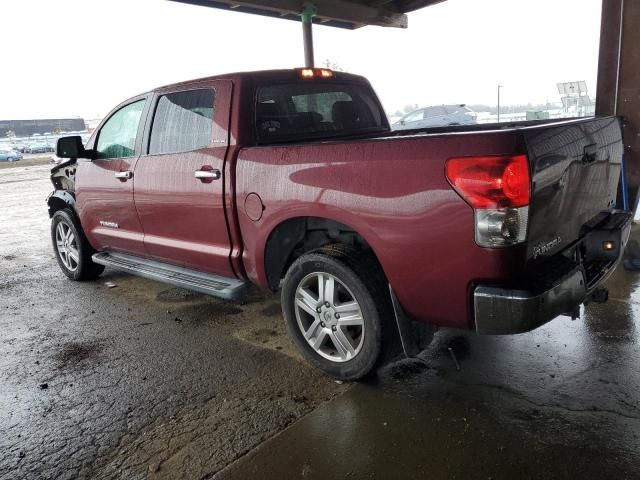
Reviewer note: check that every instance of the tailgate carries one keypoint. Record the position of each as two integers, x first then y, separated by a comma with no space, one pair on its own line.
575,170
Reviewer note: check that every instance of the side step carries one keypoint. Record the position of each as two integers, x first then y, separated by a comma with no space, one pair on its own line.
223,287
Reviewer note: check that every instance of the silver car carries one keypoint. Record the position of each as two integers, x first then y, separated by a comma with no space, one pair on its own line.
437,116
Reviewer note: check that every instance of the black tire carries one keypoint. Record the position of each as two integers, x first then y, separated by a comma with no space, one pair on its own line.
85,268
361,274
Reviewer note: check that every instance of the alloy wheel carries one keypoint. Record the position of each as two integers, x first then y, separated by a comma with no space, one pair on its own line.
329,317
67,246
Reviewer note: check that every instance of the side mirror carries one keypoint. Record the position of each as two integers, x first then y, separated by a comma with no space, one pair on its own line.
71,147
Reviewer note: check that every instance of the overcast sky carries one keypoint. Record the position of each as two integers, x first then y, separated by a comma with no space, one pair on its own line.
82,57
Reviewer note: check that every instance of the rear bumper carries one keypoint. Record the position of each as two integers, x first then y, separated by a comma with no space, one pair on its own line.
500,311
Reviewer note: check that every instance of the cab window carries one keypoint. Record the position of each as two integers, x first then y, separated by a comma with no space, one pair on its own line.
117,137
183,121
307,110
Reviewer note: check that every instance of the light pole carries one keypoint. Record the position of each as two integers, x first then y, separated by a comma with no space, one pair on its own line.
499,87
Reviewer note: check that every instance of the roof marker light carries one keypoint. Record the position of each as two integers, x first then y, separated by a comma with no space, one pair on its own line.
316,72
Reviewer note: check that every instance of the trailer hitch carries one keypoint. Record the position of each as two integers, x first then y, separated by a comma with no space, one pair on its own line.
599,295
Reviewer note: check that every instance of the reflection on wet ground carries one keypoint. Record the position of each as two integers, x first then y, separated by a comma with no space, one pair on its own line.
560,402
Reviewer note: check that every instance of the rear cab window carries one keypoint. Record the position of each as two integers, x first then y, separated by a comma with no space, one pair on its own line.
309,110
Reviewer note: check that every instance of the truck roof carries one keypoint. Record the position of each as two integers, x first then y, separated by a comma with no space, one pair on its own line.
264,76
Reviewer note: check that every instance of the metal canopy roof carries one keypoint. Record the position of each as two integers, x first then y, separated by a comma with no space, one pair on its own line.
350,14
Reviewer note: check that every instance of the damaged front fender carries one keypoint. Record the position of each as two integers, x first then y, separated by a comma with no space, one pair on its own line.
63,178
59,199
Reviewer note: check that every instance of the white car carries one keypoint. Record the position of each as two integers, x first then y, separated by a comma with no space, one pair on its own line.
437,116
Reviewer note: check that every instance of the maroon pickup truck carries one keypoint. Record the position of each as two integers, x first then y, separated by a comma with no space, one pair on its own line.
293,180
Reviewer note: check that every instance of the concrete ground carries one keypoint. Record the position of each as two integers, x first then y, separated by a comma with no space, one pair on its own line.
136,381
562,402
142,380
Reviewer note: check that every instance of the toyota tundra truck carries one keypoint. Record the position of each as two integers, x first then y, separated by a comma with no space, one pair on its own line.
292,180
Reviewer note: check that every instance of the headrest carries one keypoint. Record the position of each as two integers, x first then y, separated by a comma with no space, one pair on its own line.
345,114
267,110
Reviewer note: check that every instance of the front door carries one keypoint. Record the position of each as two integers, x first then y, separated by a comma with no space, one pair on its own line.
179,190
104,185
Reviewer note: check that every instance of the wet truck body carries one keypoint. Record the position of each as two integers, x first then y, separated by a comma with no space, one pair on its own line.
393,190
497,228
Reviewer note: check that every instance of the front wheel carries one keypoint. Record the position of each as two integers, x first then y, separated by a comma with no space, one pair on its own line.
333,302
71,248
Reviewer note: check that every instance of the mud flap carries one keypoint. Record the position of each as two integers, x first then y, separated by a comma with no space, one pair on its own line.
414,336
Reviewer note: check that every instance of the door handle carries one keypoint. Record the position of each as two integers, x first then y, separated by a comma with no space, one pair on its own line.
126,175
213,174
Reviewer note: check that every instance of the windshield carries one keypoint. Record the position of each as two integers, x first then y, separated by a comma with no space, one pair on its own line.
316,110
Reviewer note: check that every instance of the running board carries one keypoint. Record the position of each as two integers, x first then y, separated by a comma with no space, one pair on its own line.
223,287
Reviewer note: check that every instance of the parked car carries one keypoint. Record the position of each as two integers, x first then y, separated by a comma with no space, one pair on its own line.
39,148
8,155
437,116
292,180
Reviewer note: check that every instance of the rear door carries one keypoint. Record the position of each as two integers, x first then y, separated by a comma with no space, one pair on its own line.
179,191
104,185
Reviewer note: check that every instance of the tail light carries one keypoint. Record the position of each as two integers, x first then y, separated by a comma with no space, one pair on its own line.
498,188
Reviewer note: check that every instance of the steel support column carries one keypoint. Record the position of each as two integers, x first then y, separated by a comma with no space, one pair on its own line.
618,91
307,35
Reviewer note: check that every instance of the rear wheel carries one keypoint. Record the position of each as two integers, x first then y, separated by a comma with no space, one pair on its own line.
333,302
71,248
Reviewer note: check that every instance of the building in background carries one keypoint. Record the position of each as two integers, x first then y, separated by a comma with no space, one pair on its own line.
26,128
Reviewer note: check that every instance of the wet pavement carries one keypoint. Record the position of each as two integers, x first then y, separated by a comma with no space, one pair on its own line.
146,381
136,381
560,402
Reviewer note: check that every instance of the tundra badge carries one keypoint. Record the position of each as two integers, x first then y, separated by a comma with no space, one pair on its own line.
109,224
543,248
